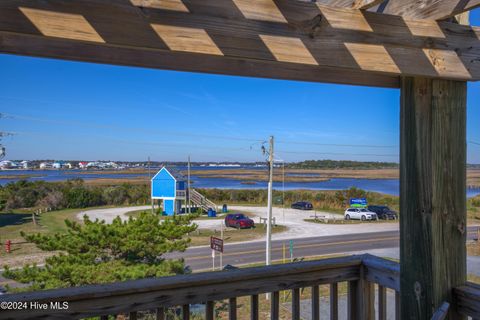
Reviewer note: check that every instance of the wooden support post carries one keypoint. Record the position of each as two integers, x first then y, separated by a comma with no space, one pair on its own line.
432,194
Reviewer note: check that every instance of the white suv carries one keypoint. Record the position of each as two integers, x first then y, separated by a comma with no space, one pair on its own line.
360,214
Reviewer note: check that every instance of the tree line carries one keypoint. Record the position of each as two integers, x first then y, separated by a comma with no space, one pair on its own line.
76,194
69,194
341,164
321,199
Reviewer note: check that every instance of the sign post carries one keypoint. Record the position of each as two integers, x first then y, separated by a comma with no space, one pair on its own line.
216,244
291,250
221,253
213,260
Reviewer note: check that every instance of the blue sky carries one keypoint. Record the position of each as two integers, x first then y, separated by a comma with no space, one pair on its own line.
69,110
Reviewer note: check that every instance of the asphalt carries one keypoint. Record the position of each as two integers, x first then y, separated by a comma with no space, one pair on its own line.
238,254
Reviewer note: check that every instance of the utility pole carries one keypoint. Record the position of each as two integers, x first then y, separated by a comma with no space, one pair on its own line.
269,213
188,187
150,181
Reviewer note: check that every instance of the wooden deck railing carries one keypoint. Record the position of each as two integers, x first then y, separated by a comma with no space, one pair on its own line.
366,279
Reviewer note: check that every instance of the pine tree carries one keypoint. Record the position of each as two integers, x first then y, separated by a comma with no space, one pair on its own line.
96,252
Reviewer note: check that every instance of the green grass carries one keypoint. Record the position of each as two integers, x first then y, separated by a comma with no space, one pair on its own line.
202,236
12,223
343,221
473,278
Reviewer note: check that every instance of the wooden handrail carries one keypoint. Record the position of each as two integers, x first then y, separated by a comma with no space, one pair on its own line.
467,300
152,293
361,272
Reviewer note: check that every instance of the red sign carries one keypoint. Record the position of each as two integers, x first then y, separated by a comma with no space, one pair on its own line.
216,244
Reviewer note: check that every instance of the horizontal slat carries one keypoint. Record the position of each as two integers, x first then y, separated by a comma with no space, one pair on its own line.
182,61
148,294
467,300
276,39
433,10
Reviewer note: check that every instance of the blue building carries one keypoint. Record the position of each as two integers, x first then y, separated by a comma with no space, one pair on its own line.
170,187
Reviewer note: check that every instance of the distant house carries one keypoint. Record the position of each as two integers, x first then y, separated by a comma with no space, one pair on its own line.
83,165
7,164
24,164
57,165
170,187
111,165
45,165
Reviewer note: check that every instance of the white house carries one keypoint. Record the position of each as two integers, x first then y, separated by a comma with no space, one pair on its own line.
7,164
45,165
24,164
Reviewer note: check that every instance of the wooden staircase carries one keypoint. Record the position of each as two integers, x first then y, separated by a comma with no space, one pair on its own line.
201,201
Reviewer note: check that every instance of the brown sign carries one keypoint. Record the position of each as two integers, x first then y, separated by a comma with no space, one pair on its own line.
216,244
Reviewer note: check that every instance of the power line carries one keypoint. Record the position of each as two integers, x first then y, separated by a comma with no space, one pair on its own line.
337,144
132,129
473,142
339,153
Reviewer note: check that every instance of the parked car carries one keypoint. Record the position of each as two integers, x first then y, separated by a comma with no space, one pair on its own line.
360,214
239,221
384,212
302,205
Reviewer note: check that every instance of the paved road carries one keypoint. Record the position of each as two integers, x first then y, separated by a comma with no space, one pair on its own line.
200,258
381,243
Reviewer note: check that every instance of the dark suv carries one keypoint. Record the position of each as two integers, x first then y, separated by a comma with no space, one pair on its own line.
383,212
302,205
239,221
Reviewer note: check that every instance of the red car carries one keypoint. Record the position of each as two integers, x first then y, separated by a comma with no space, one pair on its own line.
239,221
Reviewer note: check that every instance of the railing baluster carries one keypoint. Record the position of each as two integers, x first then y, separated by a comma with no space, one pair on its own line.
296,304
361,298
315,303
275,306
186,312
232,308
353,303
334,301
209,310
254,307
132,315
382,303
160,313
397,305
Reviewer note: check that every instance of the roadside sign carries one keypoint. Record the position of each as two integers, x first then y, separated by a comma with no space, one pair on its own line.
358,202
216,244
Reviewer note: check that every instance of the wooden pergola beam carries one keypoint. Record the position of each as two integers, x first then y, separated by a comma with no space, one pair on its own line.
423,9
352,4
265,38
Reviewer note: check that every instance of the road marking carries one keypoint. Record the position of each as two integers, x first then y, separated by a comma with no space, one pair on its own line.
304,246
297,247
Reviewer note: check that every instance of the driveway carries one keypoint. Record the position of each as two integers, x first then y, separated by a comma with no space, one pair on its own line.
291,218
